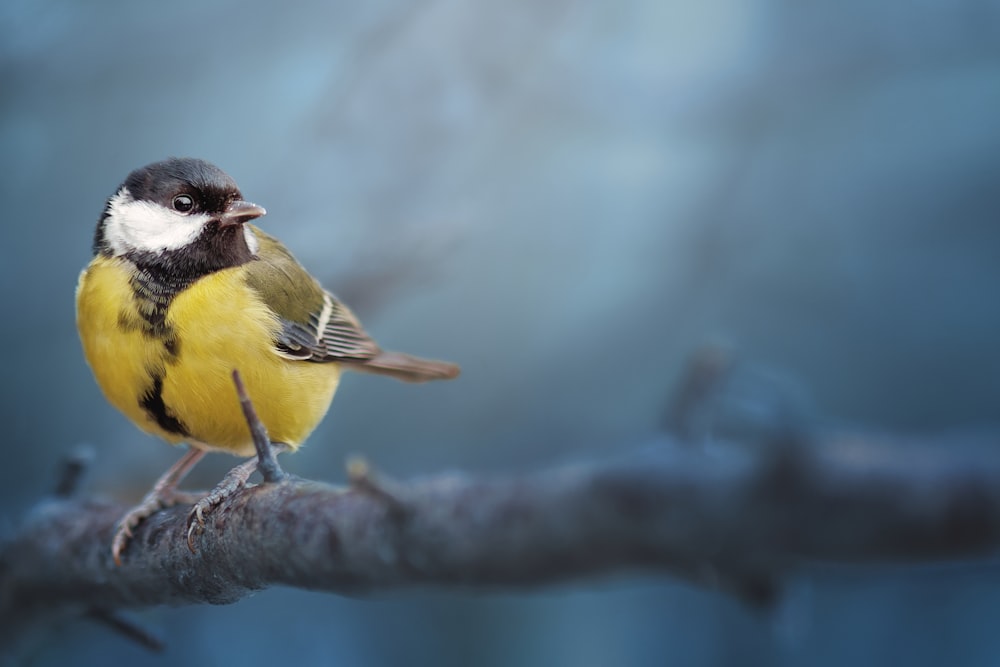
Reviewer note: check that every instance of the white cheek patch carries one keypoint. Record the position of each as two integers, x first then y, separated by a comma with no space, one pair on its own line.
251,238
145,226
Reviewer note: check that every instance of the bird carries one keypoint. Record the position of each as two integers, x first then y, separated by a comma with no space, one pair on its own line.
182,291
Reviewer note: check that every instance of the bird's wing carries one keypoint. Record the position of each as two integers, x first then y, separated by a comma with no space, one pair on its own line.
315,325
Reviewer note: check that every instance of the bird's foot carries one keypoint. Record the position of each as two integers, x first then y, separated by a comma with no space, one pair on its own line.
155,500
163,494
266,462
234,480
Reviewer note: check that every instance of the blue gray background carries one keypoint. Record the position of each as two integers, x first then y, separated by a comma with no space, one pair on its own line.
567,198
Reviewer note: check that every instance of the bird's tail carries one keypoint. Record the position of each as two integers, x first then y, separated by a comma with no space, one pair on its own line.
406,368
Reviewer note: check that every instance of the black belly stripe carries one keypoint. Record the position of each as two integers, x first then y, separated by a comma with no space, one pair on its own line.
173,347
152,403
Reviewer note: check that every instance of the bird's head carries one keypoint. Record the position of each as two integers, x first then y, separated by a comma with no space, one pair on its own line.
182,213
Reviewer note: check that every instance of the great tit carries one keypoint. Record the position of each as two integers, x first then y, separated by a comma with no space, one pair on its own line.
182,291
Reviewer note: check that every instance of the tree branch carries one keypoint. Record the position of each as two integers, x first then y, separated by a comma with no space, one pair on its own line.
739,519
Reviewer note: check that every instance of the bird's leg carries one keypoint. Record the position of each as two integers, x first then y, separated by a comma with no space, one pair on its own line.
265,462
163,494
234,480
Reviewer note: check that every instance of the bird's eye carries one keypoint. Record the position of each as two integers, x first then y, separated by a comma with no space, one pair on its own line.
183,203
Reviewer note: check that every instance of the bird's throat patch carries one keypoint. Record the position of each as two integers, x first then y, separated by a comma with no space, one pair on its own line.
151,298
153,295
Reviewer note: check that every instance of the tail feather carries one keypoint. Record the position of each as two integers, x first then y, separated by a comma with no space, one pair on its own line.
406,368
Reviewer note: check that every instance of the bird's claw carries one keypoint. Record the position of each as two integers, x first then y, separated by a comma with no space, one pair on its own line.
163,494
133,518
196,518
195,526
234,481
122,536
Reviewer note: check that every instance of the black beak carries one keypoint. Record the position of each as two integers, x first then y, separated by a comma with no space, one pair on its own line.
239,212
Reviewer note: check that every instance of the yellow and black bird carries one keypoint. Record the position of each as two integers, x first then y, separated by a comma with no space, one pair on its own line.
181,292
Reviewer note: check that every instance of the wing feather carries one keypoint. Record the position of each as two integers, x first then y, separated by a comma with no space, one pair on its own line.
315,326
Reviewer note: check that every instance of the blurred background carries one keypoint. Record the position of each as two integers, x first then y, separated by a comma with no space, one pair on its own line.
567,198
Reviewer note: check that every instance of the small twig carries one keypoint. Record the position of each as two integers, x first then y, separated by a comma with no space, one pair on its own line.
364,479
71,471
704,373
128,629
267,462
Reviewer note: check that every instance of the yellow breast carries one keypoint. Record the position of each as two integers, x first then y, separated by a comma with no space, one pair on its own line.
216,325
